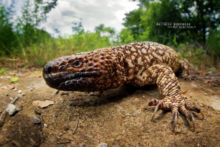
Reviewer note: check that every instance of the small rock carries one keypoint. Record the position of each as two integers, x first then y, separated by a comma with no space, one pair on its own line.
4,87
116,146
19,91
64,93
81,145
42,104
36,120
66,127
37,111
63,140
45,125
103,144
11,109
56,92
11,87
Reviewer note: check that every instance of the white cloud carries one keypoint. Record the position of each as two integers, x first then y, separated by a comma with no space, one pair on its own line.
90,12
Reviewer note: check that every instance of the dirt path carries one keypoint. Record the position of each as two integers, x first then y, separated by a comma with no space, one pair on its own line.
118,118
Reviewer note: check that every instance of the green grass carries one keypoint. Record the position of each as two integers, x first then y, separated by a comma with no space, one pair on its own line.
195,55
3,71
14,79
37,54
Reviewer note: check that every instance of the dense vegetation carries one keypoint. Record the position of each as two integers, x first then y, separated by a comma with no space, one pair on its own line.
191,27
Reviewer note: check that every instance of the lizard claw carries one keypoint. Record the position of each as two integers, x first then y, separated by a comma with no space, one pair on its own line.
175,105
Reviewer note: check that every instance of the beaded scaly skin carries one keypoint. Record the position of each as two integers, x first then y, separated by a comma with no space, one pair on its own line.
137,64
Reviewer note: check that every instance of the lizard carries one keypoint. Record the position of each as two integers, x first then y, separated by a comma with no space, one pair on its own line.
137,64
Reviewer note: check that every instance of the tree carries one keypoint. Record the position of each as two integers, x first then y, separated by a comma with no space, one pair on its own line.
34,12
164,20
7,37
104,31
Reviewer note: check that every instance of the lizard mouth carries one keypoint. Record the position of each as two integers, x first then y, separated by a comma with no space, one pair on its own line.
71,81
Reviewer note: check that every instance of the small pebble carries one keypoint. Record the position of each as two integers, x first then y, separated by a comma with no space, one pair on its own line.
116,146
81,145
45,125
36,120
56,92
64,93
66,127
11,109
37,111
42,104
19,91
103,144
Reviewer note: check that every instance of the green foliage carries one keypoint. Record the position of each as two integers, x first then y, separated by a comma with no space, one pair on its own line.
14,79
126,36
160,21
196,55
214,42
3,71
7,37
133,23
212,69
102,29
33,14
40,53
85,41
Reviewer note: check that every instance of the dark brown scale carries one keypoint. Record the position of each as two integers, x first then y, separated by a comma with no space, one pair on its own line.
82,70
71,60
62,68
96,65
90,64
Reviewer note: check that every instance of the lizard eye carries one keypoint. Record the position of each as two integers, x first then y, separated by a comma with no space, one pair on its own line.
77,63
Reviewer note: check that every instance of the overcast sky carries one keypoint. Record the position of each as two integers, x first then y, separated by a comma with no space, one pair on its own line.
90,12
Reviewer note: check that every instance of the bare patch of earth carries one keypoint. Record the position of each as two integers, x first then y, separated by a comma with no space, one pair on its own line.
119,117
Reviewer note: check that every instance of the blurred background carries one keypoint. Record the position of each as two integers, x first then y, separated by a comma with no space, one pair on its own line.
33,32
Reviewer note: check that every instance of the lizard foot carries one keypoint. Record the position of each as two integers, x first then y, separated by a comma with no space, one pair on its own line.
176,105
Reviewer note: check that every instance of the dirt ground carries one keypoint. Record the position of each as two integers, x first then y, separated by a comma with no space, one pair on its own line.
118,118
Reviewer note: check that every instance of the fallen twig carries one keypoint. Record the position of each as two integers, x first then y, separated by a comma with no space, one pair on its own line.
76,126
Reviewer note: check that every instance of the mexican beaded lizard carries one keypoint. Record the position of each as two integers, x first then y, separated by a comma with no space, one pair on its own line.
137,64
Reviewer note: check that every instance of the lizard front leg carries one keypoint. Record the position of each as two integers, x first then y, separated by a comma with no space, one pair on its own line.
170,91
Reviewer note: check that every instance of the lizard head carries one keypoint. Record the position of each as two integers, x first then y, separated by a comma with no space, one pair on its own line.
89,71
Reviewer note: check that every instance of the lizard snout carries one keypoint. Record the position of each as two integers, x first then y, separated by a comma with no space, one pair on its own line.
49,68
